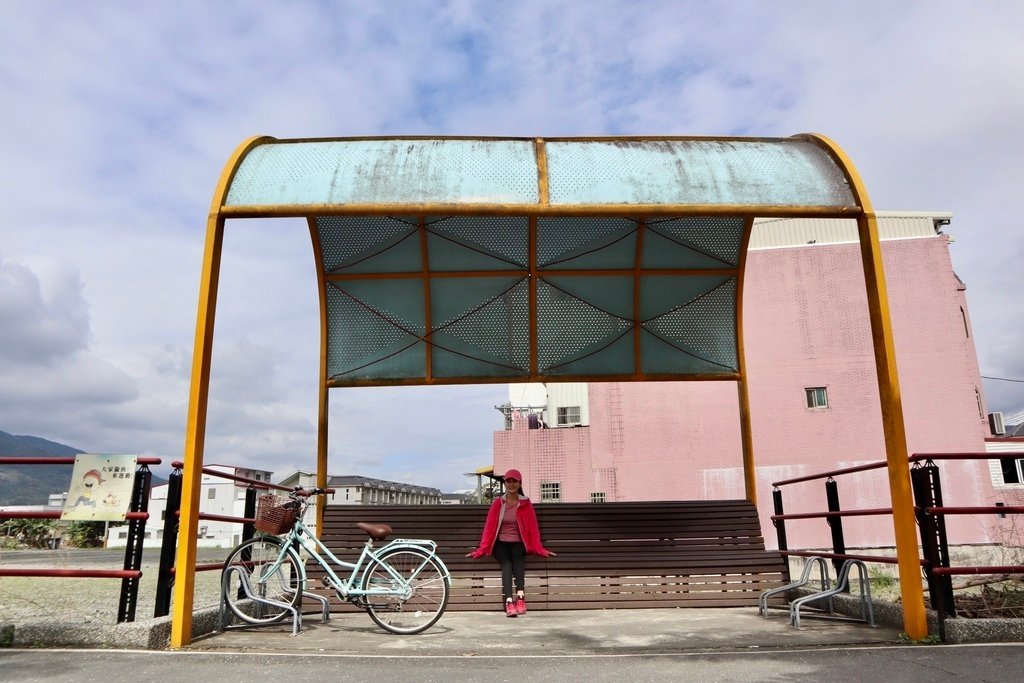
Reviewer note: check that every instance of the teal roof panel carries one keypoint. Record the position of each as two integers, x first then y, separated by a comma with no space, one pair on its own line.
755,172
397,171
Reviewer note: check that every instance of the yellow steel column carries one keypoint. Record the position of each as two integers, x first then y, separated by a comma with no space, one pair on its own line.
743,391
195,426
195,438
915,621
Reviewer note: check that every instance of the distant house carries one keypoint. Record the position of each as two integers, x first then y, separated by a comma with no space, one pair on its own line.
357,490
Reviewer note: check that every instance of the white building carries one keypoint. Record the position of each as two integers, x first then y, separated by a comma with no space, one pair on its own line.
217,496
356,490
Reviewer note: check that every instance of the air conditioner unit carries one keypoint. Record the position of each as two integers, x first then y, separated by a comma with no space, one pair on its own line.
995,421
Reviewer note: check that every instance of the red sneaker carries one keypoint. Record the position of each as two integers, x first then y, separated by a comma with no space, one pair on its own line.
510,608
520,606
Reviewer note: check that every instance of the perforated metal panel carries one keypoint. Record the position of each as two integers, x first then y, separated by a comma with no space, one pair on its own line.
571,329
374,330
695,335
476,275
583,242
782,172
483,327
699,242
517,290
387,172
369,243
461,243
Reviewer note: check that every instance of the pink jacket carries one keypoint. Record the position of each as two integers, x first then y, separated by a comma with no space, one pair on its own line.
526,519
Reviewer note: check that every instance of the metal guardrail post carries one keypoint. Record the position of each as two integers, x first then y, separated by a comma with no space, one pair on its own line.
780,524
136,541
835,522
169,546
928,493
248,530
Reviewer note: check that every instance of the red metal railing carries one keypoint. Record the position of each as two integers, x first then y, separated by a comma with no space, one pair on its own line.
137,517
246,520
168,570
930,512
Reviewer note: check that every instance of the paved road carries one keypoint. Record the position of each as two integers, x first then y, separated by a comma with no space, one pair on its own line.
90,557
894,664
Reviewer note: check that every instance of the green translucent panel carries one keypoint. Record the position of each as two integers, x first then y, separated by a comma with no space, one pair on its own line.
615,358
782,172
481,327
586,243
374,329
582,318
661,358
689,324
610,293
463,243
697,242
337,172
369,244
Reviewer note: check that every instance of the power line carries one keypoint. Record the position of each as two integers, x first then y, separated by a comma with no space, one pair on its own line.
1003,379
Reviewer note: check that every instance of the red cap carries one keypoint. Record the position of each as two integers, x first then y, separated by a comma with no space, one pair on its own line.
514,474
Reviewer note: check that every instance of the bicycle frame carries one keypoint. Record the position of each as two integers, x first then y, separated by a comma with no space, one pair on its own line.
302,538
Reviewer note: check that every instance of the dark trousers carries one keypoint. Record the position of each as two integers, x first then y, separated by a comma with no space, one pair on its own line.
512,558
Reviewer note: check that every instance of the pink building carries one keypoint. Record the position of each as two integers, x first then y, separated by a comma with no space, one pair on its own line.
813,393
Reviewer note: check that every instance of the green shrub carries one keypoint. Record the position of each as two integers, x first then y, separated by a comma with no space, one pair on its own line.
85,534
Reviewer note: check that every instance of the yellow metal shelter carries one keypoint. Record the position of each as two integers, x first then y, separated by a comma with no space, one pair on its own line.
445,260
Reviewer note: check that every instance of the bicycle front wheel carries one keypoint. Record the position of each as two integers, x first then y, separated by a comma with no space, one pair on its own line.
253,589
412,604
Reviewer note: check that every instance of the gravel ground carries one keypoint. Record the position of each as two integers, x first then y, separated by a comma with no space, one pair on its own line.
80,600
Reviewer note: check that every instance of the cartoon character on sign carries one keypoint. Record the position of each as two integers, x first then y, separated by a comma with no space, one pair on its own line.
91,481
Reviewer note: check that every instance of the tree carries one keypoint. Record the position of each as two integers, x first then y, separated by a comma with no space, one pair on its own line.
35,533
85,534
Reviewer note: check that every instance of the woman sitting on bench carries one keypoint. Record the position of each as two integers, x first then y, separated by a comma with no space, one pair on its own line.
510,534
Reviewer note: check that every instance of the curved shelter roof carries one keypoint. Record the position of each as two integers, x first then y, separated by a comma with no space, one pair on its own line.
457,260
490,260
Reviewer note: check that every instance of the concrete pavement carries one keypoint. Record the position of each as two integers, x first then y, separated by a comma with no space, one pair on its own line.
564,633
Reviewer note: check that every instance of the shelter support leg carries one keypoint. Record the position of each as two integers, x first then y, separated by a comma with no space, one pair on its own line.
915,621
195,437
746,435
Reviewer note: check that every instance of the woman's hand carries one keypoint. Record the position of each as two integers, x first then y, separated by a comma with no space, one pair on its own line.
551,553
471,553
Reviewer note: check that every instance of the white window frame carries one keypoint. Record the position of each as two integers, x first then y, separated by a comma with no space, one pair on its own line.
550,492
1019,467
598,497
569,415
816,398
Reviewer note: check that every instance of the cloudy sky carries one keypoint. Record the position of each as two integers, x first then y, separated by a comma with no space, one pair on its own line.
118,118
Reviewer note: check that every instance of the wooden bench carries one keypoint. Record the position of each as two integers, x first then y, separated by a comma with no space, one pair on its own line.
647,554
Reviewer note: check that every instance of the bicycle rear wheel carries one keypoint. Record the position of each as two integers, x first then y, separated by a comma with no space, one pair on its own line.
250,586
426,585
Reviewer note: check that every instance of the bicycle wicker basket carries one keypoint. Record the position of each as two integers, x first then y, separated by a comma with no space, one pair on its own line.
272,517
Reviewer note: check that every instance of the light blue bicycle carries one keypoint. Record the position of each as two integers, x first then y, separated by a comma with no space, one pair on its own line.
402,585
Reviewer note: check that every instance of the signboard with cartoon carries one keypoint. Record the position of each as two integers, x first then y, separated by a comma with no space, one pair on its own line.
101,488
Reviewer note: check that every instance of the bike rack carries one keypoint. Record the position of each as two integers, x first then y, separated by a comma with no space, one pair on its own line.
243,579
842,585
805,578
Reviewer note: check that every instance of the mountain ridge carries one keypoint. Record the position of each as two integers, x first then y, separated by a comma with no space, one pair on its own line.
33,484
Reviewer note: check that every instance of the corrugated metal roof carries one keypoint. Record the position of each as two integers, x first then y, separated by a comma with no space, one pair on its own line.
773,233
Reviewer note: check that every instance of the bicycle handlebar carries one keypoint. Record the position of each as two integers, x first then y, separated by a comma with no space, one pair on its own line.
300,492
